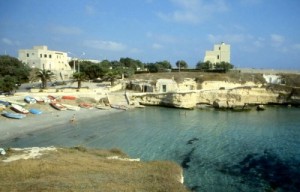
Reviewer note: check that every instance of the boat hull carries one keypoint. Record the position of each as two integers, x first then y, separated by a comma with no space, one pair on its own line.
19,109
13,115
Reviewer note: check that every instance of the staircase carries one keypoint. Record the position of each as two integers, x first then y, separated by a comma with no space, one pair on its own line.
117,99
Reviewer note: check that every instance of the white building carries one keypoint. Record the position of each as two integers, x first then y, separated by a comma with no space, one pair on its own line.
220,53
273,79
42,58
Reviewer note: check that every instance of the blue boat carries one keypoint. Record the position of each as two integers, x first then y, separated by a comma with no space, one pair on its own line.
13,115
30,100
35,111
4,103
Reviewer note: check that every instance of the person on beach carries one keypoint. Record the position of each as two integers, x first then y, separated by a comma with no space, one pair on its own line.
73,119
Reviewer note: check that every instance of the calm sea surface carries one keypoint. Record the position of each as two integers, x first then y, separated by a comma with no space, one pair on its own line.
218,150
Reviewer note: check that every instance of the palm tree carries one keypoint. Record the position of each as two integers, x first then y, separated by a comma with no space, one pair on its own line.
79,77
45,76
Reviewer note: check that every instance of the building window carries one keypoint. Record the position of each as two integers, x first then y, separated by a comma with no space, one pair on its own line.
219,48
50,56
218,56
27,54
41,55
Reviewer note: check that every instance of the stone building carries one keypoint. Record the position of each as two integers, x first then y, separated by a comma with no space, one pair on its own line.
42,58
220,53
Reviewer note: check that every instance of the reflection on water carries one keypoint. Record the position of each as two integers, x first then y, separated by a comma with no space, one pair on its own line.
218,150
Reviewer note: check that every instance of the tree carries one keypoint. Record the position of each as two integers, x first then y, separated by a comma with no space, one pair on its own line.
181,64
8,84
13,67
152,67
93,71
45,76
204,65
224,66
163,65
79,77
111,76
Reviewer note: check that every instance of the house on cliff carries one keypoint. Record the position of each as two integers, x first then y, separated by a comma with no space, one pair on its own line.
166,85
273,79
162,85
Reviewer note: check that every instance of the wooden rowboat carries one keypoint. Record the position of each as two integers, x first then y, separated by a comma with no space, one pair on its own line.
71,107
58,106
86,105
19,109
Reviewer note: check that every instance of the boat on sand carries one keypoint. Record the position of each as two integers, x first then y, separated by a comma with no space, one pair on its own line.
19,109
103,107
71,107
13,115
58,106
120,107
68,97
35,111
86,105
30,100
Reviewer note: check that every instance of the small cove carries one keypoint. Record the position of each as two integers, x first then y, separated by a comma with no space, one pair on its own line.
218,150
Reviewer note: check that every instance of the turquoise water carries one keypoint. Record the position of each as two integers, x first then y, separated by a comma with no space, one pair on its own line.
218,150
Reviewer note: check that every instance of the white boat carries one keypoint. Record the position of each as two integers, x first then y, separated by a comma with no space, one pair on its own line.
46,99
103,107
19,109
16,102
58,106
39,99
71,107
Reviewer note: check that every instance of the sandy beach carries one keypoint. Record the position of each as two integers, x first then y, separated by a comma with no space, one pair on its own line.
11,128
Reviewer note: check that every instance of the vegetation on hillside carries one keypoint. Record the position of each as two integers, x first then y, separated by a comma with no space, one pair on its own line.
81,169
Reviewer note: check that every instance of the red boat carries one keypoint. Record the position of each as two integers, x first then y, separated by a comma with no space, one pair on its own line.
69,97
86,105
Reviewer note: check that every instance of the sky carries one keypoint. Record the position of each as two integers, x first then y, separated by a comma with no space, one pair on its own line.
263,34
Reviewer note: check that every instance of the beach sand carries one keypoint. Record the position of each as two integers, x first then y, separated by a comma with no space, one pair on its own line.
11,128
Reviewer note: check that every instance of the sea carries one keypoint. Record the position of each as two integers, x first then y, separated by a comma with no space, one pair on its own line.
218,150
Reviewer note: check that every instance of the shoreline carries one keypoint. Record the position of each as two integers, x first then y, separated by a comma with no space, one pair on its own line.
12,128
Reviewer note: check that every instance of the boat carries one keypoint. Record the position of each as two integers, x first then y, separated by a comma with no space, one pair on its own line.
29,100
103,107
39,99
71,107
16,103
46,99
13,115
35,111
260,108
5,103
68,97
86,105
58,106
19,109
52,98
121,107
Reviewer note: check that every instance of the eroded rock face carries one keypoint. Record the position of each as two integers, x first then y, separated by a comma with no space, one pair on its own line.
225,98
179,100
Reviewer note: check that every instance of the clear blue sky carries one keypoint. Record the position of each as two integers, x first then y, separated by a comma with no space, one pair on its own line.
262,33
